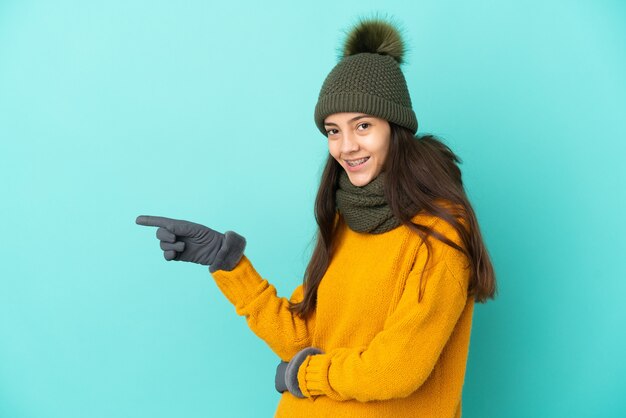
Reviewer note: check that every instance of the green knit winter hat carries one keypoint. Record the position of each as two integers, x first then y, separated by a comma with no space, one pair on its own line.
368,77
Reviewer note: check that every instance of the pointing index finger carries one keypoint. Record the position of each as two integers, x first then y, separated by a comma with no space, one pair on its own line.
154,221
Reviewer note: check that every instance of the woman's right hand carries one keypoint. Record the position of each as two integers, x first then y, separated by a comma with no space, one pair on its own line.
188,241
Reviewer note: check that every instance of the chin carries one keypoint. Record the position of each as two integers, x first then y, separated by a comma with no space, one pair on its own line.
361,180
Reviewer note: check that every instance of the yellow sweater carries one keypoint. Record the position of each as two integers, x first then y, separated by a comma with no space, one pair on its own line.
393,347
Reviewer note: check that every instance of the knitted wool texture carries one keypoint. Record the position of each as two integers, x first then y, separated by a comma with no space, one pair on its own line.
365,208
370,83
387,352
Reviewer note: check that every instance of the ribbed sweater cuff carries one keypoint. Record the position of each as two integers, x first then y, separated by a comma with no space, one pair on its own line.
241,284
313,376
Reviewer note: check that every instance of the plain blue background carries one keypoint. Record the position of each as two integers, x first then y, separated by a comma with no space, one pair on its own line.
204,111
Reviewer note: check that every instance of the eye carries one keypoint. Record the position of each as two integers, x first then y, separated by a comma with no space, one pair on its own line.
364,123
329,132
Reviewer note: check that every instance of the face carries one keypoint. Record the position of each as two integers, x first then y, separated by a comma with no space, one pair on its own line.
359,143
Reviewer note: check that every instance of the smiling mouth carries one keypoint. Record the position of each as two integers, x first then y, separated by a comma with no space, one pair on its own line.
354,163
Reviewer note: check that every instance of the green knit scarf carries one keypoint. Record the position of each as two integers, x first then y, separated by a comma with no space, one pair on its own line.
365,208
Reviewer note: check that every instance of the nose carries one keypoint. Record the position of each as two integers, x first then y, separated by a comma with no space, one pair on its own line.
348,144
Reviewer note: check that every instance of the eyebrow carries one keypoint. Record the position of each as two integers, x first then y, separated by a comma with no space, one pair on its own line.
351,120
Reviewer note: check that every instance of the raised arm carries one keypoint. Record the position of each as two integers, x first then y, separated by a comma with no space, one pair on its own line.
266,313
253,296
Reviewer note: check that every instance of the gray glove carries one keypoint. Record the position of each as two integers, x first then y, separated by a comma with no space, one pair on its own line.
287,372
279,379
188,241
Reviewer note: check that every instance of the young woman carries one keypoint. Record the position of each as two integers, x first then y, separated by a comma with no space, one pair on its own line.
380,326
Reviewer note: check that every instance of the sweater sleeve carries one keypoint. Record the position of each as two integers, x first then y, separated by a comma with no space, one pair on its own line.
399,359
267,314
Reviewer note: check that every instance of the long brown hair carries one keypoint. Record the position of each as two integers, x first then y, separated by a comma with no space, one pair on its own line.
420,170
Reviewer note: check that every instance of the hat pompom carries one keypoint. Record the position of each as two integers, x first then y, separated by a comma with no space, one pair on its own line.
374,35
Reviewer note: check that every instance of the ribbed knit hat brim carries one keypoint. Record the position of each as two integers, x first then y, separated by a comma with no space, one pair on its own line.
362,102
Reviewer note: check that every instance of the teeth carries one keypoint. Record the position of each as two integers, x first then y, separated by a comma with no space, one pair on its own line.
356,162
